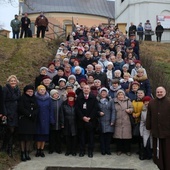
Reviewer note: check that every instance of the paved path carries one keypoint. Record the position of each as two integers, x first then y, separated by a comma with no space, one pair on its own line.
113,161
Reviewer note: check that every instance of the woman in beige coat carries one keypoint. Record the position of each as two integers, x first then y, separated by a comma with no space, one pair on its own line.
123,130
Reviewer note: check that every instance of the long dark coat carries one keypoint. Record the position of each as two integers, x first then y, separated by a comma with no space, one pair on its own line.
11,97
56,107
158,121
109,116
1,101
45,114
90,111
68,119
27,114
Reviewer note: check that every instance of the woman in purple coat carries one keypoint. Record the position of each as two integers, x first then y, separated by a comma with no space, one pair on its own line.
45,117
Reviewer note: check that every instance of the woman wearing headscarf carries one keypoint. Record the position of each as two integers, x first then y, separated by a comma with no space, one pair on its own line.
27,114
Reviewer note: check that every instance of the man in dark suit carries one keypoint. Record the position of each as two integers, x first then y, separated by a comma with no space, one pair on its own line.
86,107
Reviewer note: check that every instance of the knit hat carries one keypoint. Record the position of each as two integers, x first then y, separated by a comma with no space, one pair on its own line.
69,85
83,80
62,79
104,89
71,94
53,91
72,77
46,77
135,82
40,87
137,61
120,91
146,98
52,63
28,87
126,65
43,68
110,63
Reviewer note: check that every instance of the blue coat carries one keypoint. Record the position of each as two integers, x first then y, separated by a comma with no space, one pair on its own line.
45,115
109,116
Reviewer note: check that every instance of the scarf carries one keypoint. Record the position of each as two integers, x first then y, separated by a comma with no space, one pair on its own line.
71,103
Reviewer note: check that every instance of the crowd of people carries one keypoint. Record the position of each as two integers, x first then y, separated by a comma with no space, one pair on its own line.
95,84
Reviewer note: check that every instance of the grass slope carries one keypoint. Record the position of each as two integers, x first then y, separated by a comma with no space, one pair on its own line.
23,58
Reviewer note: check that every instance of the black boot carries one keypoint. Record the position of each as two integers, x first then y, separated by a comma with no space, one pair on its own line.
3,147
23,158
38,153
9,151
27,155
42,153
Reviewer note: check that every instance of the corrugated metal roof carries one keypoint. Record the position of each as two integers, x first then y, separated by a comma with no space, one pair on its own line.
93,7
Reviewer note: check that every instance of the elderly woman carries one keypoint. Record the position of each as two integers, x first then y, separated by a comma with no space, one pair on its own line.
27,114
68,122
45,117
123,129
55,130
11,95
106,120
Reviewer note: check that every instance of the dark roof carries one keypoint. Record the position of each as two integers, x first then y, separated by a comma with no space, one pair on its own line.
92,7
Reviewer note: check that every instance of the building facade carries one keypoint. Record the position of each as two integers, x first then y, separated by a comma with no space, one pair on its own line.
63,14
136,11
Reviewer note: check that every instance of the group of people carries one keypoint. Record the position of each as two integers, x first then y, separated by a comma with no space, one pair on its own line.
96,82
147,30
22,28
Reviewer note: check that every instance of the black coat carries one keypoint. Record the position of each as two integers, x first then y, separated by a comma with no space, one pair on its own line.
1,101
68,119
27,114
102,77
11,97
90,111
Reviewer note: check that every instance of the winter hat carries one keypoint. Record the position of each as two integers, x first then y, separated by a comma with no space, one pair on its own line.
69,85
137,61
71,94
72,77
46,77
146,98
126,65
62,79
135,82
40,87
28,87
43,68
110,63
120,91
52,63
83,80
53,91
104,89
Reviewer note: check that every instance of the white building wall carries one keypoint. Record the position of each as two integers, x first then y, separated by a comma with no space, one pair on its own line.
141,10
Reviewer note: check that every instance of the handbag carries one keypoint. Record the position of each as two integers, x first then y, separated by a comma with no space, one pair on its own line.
135,130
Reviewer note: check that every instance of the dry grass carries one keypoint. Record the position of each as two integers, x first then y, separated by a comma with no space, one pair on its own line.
156,59
23,58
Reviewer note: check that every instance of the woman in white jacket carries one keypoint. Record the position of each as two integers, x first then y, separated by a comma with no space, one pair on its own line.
146,151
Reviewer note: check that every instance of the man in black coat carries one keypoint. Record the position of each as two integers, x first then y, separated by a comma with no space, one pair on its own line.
86,109
25,23
159,31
